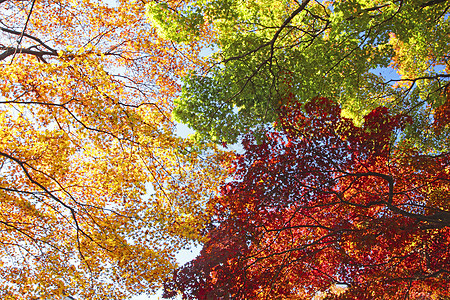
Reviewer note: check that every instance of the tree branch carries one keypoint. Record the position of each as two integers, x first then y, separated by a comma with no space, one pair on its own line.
28,36
24,28
12,51
432,2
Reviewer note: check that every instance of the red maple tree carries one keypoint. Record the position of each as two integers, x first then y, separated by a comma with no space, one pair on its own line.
325,209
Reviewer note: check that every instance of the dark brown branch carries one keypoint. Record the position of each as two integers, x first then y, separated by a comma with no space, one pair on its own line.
30,37
367,10
286,22
23,30
48,192
432,2
271,43
434,77
12,51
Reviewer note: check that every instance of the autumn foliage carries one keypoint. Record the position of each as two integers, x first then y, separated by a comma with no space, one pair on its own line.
326,209
97,193
442,114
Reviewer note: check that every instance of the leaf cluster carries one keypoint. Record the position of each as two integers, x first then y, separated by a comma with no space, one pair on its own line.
270,52
323,207
97,193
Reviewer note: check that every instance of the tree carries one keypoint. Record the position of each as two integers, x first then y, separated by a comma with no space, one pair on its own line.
325,208
97,193
337,49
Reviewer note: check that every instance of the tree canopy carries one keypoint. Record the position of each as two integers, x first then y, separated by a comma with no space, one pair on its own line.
325,208
343,188
346,195
338,49
97,193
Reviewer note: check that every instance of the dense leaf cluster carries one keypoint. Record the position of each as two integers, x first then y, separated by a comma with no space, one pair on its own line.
361,53
342,108
325,207
342,196
97,193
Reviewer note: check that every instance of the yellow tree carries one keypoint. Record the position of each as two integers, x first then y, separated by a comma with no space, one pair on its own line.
97,193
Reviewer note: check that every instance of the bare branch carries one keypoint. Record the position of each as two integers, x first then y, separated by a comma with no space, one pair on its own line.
432,2
28,36
13,51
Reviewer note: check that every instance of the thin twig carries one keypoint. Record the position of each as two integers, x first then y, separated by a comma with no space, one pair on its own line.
23,31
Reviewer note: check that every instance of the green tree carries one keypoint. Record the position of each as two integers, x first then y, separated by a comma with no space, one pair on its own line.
272,52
